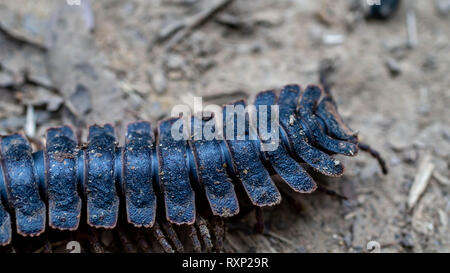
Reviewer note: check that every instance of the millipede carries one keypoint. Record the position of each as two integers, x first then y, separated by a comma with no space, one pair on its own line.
179,193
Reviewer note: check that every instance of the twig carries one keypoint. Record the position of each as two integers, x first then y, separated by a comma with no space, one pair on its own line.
412,28
266,243
196,21
30,124
441,179
232,244
421,180
21,39
279,237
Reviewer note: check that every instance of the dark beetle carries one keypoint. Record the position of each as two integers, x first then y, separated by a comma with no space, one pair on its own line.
161,180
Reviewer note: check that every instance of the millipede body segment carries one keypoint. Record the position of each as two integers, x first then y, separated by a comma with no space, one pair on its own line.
153,171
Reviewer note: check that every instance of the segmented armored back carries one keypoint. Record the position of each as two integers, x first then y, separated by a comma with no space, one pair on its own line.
151,172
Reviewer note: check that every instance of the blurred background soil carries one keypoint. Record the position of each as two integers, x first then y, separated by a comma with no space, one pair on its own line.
120,61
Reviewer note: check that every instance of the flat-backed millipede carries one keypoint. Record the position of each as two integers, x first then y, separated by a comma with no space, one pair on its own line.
164,185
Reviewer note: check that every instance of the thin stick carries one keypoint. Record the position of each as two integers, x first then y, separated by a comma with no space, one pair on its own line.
441,179
279,237
412,28
196,21
421,180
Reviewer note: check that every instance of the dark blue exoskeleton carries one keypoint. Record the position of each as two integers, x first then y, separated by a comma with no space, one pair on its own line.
169,171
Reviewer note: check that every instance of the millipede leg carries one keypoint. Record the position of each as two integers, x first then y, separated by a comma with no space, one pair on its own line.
15,248
94,241
159,235
142,242
219,233
7,249
171,233
125,241
194,238
259,226
47,247
366,148
330,192
204,232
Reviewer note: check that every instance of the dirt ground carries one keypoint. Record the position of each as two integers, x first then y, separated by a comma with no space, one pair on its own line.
119,61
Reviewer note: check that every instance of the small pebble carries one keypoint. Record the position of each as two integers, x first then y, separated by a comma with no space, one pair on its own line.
410,156
348,238
300,250
81,99
407,241
393,67
174,62
159,81
6,79
333,39
443,7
